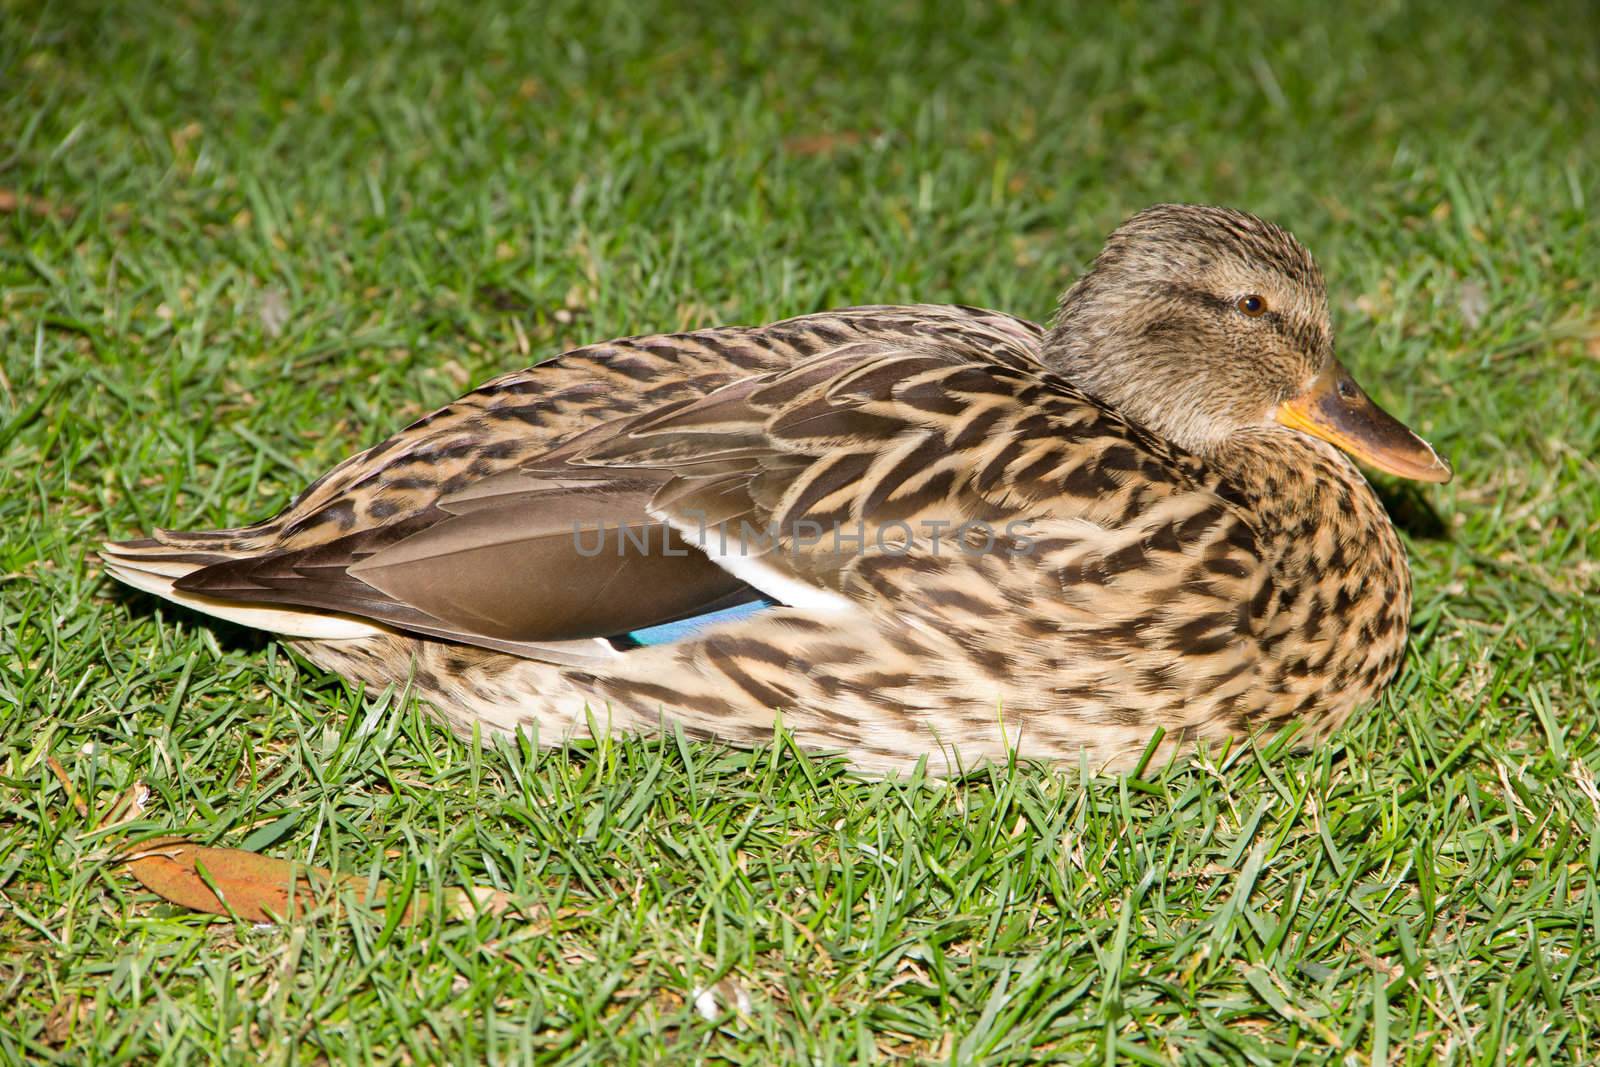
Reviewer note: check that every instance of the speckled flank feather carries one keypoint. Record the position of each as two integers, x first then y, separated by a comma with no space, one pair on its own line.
1109,580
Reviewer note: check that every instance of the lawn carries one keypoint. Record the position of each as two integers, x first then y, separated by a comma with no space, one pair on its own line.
239,241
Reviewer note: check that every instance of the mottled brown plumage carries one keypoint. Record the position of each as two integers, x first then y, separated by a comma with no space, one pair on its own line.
981,537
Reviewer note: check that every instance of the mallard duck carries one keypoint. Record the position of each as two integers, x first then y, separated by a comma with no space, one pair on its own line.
904,532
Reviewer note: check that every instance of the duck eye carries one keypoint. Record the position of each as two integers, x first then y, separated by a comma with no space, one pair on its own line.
1251,305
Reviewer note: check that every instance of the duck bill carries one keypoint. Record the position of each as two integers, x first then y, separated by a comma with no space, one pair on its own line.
1340,412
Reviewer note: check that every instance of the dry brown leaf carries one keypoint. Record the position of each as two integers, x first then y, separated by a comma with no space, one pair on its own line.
11,200
253,887
66,783
256,888
69,1014
822,144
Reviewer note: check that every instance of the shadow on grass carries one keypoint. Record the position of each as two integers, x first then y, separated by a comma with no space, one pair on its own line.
1412,510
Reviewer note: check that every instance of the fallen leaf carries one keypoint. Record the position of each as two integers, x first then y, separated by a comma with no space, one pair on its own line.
66,783
822,144
130,805
224,881
256,888
11,200
69,1014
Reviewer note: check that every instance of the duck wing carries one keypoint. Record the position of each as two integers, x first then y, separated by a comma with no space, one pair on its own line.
485,507
596,537
546,558
876,449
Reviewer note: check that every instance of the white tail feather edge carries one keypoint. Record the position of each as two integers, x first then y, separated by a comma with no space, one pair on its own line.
156,576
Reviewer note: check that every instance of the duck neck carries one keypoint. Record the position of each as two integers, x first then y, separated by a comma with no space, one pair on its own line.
1339,617
1310,497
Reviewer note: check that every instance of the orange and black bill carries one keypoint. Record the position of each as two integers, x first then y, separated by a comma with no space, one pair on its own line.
1340,412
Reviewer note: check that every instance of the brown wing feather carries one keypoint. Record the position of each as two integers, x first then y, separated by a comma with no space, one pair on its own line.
469,524
507,422
875,448
550,560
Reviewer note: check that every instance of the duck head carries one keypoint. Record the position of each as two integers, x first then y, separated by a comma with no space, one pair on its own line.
1203,323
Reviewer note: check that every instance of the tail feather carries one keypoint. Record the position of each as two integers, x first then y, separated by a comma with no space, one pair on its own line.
153,567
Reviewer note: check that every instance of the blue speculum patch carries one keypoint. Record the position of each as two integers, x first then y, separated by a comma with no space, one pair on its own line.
668,632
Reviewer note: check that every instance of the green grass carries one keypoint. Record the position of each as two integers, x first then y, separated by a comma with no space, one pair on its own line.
255,237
